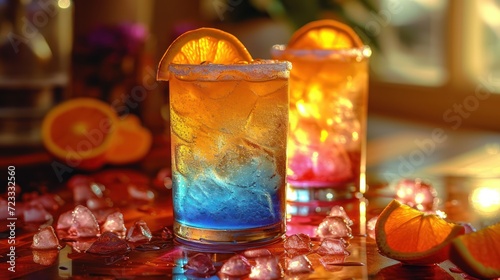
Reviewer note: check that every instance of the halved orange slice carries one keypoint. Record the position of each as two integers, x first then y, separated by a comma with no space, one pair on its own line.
325,34
202,45
408,235
478,253
79,132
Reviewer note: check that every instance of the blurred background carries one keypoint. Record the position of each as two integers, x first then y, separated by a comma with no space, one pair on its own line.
434,61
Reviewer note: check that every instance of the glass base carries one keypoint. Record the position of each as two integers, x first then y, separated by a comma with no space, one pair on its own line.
232,240
304,199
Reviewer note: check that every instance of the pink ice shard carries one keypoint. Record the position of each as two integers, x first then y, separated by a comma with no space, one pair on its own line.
140,192
266,268
45,239
109,243
335,227
82,245
139,232
83,223
299,264
370,227
338,211
35,213
332,246
85,187
237,265
200,265
114,223
45,257
256,253
417,194
65,220
298,243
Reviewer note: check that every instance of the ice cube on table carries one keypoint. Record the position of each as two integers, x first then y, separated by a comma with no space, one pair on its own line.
299,264
87,190
335,227
256,253
82,245
338,211
237,265
266,268
139,232
45,239
417,194
200,265
83,223
299,243
115,223
65,220
370,227
332,246
35,213
45,257
109,243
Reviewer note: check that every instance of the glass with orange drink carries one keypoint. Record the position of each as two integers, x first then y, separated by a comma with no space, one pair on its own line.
229,124
328,111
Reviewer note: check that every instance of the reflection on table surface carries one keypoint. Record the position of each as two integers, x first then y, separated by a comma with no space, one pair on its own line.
462,196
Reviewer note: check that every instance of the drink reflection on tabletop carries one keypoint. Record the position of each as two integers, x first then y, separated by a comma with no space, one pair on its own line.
129,190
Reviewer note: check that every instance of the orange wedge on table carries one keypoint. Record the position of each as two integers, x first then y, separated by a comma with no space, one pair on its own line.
478,253
86,133
325,34
203,45
408,235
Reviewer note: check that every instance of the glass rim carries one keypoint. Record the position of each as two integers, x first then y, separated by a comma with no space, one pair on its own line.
281,49
264,69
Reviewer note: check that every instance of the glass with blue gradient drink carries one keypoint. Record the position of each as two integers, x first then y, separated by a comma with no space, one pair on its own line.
229,125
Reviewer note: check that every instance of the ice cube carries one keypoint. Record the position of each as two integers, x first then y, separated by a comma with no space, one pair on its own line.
299,264
200,265
109,243
65,220
332,246
35,213
82,192
45,239
266,268
417,194
237,265
140,192
297,244
83,223
81,245
256,253
338,211
335,227
45,257
139,232
114,223
370,227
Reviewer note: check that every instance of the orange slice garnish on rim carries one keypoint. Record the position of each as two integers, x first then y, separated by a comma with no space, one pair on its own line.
408,235
325,34
202,45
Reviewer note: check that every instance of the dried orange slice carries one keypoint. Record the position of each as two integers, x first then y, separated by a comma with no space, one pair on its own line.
325,34
79,132
478,253
130,143
408,235
202,45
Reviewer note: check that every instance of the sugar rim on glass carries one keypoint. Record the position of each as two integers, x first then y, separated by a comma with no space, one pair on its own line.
257,70
359,54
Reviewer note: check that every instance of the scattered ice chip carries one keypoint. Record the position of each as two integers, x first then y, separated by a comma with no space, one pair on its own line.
35,213
370,227
85,189
83,223
266,268
299,243
45,239
140,192
200,265
65,220
299,264
139,232
109,243
338,211
237,265
82,245
332,246
115,223
45,257
335,227
256,253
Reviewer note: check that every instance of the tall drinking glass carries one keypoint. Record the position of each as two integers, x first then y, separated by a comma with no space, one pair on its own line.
229,126
327,139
